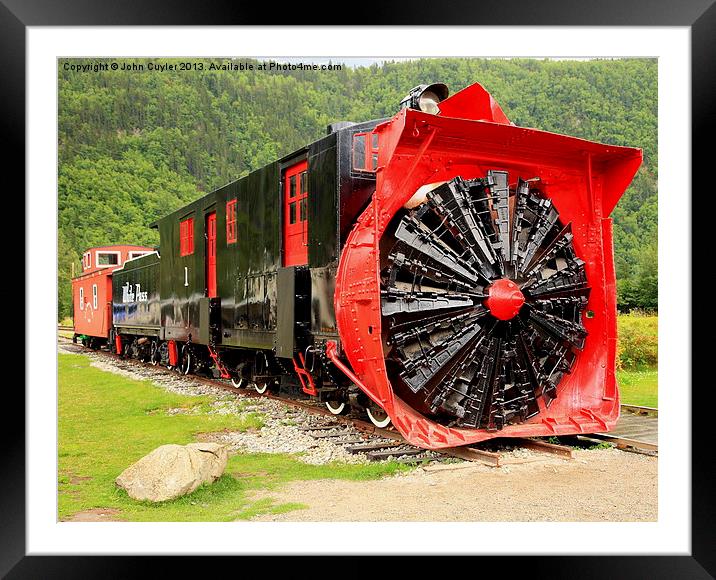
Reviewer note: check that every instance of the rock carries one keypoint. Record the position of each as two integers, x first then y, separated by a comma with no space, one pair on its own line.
171,471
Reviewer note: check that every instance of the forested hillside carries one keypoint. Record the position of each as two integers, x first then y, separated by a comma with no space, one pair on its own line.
134,146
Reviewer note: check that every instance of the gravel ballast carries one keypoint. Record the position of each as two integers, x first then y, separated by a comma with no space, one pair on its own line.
284,425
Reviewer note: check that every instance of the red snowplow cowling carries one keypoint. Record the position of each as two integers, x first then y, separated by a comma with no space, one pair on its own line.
471,136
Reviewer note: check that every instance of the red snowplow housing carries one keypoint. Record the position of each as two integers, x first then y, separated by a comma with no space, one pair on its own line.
583,179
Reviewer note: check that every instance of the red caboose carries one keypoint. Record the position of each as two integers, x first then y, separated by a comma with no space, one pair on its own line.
92,291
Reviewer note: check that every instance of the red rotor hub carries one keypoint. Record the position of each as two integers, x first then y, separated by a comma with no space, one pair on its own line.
505,299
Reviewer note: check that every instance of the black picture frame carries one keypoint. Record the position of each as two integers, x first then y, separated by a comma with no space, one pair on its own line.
699,15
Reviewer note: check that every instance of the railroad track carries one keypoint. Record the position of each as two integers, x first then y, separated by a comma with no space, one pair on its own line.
637,430
358,436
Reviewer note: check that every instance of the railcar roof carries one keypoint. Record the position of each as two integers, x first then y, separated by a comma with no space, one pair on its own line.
190,206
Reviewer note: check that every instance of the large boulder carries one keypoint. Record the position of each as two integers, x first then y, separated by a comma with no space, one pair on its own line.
171,471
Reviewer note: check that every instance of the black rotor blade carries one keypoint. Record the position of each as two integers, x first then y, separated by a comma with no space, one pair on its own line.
425,242
566,307
399,324
400,302
546,217
500,190
521,195
465,393
420,370
531,363
539,260
572,277
571,332
479,194
496,417
449,392
404,257
451,202
422,329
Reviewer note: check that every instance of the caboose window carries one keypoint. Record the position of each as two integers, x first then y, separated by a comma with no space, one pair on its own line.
292,213
94,296
133,255
82,298
107,258
186,237
231,222
292,186
87,260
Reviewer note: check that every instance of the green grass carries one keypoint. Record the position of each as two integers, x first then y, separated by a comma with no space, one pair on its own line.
107,422
637,364
639,387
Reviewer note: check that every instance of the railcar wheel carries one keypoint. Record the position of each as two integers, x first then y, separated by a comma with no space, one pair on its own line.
154,353
187,363
261,387
378,416
337,408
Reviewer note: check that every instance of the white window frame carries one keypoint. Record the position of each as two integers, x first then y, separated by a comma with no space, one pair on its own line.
82,298
94,296
116,253
137,254
87,260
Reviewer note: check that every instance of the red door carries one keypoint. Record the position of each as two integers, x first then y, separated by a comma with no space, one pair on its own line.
295,215
211,254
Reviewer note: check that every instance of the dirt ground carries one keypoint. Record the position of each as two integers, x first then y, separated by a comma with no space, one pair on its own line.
94,515
598,485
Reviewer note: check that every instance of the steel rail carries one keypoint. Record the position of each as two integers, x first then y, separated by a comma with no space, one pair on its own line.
468,453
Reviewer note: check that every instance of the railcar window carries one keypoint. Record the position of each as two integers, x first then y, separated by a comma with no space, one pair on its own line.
231,233
107,259
365,152
304,182
292,186
359,151
94,296
303,215
87,260
186,237
82,298
374,152
133,255
292,213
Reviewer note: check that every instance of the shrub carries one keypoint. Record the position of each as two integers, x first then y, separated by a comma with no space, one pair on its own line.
637,345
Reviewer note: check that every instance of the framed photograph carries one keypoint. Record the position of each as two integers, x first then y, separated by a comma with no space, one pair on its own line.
59,65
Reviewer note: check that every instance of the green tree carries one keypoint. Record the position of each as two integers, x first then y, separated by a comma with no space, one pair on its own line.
135,147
